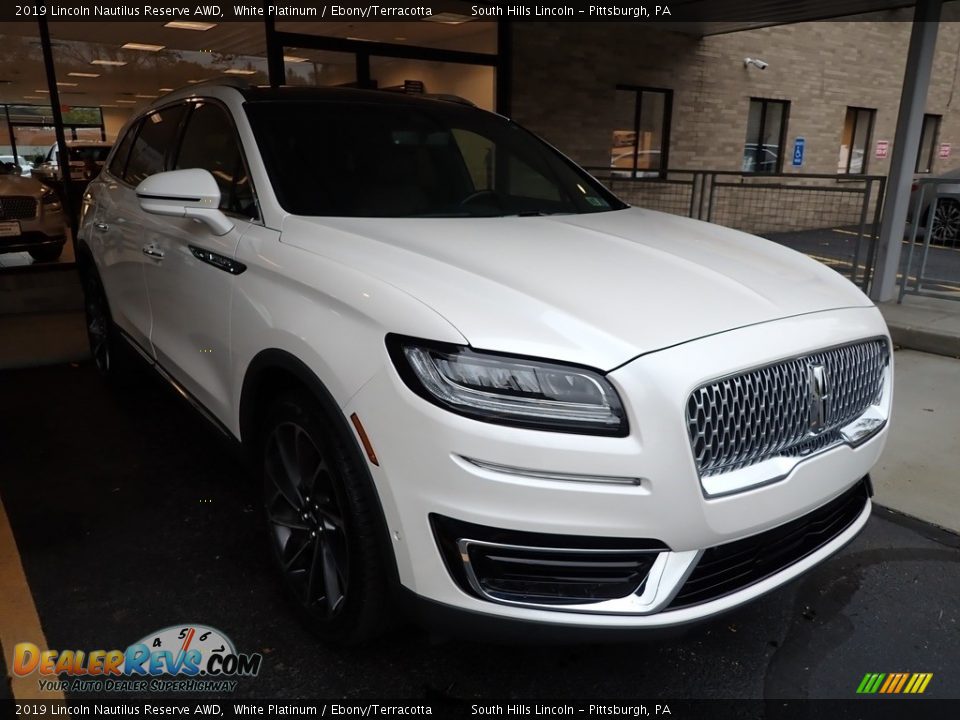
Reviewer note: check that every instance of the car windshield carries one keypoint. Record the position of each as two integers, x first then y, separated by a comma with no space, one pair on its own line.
434,159
85,153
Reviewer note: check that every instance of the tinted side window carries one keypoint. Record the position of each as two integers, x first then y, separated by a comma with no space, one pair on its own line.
119,162
157,133
210,143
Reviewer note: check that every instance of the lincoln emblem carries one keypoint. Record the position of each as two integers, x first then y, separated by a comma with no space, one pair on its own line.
819,394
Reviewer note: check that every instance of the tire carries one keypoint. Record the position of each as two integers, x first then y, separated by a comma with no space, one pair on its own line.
47,253
107,348
946,223
323,523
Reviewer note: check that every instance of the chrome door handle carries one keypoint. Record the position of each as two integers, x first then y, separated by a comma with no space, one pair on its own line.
102,227
153,251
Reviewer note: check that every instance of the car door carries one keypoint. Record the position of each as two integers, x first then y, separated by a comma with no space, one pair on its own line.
119,223
190,277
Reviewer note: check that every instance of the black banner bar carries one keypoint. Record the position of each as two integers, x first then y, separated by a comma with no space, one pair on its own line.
454,11
872,708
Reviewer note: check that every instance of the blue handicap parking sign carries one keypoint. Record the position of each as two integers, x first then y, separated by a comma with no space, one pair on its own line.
798,145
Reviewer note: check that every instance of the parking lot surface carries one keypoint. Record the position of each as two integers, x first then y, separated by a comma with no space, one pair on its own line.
132,515
836,247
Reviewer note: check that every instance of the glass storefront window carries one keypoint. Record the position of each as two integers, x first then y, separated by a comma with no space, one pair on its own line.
640,137
20,50
319,68
855,141
475,83
466,35
766,135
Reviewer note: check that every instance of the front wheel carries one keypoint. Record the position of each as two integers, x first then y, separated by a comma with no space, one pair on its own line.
110,357
323,524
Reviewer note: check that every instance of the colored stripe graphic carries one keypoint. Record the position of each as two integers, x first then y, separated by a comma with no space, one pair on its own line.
892,679
894,683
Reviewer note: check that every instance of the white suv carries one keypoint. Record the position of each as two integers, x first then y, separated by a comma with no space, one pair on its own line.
472,377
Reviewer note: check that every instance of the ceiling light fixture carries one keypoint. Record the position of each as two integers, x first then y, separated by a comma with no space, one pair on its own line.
166,89
117,63
448,18
45,92
235,71
127,102
33,97
84,75
145,97
67,84
294,59
146,47
185,25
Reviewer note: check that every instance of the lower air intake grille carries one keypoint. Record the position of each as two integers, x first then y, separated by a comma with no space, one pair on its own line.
540,569
727,568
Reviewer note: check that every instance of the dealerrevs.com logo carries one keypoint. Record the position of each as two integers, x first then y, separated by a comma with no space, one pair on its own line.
180,658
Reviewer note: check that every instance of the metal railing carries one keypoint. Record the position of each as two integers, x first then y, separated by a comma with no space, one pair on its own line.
934,212
835,218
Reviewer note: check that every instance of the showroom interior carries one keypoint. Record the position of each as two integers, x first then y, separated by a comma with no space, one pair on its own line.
101,73
672,119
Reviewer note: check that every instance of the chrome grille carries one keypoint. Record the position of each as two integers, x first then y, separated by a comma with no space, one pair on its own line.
747,418
17,208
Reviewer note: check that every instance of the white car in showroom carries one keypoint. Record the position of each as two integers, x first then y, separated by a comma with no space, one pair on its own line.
31,217
86,159
472,378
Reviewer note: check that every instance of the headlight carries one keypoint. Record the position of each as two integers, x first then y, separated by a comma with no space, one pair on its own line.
49,199
509,390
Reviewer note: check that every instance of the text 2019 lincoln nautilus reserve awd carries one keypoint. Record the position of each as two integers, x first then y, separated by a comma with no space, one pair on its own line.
469,375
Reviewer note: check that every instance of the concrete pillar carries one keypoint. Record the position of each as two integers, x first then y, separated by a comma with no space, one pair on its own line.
906,141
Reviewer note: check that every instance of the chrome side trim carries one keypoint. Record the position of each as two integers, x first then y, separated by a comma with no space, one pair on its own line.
550,475
180,389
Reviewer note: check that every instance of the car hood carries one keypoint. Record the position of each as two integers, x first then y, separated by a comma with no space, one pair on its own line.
19,185
597,289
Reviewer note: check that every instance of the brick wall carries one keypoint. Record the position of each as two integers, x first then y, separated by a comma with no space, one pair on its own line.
565,76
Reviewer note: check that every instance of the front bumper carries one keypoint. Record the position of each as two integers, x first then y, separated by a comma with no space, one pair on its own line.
425,470
30,241
45,230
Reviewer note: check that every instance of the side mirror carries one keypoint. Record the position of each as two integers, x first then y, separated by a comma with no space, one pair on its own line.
185,193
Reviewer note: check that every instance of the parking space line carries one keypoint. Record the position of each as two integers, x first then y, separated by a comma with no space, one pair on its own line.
19,621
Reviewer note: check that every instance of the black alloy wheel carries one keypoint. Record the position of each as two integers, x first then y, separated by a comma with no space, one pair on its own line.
105,345
324,525
306,520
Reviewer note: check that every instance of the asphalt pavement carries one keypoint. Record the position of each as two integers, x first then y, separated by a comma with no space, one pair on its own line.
131,515
836,247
